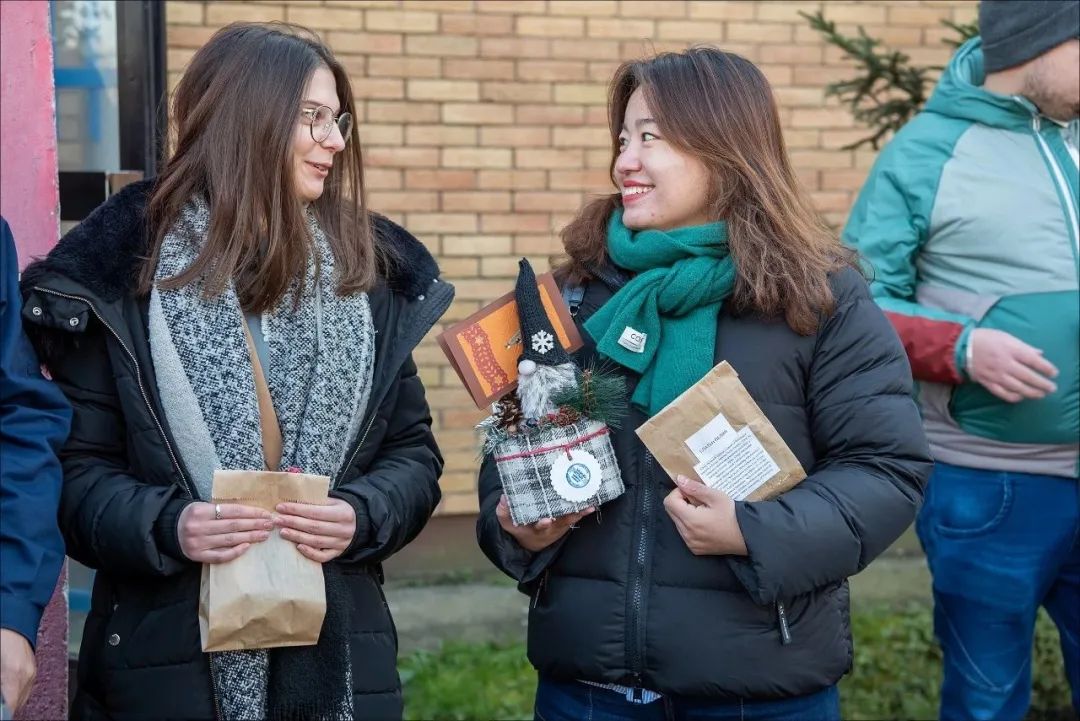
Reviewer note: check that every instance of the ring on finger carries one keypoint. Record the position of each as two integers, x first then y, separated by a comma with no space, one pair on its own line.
217,511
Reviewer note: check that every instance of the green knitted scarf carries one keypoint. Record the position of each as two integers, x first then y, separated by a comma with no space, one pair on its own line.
683,277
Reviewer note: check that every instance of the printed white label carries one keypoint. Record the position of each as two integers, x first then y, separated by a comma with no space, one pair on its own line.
740,468
576,477
712,438
633,340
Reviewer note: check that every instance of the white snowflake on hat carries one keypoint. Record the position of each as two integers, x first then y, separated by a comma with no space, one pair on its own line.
542,342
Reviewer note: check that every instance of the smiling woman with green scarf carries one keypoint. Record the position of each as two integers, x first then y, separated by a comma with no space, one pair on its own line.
673,600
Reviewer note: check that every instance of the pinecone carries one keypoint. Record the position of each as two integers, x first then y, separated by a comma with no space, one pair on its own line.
509,415
566,416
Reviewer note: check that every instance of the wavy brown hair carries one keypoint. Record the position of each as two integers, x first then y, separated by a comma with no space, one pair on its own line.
719,108
235,113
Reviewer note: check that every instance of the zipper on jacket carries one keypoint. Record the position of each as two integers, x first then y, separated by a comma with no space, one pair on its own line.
539,589
172,455
781,617
1061,183
640,573
139,378
359,445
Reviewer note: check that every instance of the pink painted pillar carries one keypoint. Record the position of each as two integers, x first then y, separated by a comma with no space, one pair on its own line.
29,200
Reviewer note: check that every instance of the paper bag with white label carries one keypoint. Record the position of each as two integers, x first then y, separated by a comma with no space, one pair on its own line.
716,433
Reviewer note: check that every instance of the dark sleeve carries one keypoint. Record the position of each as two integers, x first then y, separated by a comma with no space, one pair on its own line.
111,519
499,546
395,498
873,463
34,421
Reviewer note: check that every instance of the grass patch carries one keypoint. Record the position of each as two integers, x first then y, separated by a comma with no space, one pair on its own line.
896,675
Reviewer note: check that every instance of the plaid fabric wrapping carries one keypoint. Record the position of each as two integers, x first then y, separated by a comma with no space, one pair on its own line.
525,461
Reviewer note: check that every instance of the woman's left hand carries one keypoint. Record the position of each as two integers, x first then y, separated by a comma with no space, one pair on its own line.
705,518
321,532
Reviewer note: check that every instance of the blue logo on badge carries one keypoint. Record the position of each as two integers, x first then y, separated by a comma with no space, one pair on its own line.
578,475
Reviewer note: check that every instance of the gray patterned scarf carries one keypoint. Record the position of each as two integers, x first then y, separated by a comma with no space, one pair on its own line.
319,370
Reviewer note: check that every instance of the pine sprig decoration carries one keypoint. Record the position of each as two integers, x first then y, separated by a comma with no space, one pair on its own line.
889,90
600,395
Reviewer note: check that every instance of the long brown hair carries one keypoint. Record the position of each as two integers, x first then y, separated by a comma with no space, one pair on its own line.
235,112
719,108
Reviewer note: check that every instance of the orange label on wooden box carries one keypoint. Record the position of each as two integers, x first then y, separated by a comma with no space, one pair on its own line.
485,347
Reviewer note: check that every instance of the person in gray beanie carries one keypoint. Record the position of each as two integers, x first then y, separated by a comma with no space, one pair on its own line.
1031,48
969,219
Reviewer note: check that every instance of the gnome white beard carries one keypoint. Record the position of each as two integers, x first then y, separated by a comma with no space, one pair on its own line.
536,389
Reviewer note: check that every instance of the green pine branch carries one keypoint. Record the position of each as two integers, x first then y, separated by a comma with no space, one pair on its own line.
888,90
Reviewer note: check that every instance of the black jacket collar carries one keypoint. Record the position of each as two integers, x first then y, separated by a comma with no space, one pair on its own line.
105,252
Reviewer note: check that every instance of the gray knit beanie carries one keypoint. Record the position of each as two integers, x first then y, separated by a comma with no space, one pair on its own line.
1016,31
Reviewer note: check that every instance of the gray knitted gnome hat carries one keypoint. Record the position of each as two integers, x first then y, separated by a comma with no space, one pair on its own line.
539,342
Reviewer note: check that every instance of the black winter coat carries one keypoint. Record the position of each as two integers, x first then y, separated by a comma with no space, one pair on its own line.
124,485
620,599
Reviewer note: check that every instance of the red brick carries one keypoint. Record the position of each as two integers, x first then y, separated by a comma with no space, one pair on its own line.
515,47
383,201
693,30
313,16
729,10
373,43
477,113
438,46
482,202
554,70
547,201
441,90
485,69
592,50
603,8
547,158
441,223
402,21
400,112
544,26
549,114
401,157
620,28
515,223
477,24
586,136
382,179
516,92
440,179
515,136
440,135
512,179
759,32
476,158
480,245
403,66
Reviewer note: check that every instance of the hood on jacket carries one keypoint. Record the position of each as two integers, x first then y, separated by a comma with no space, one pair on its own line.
104,253
960,94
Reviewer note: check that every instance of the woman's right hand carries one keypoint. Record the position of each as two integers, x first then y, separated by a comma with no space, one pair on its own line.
537,536
206,538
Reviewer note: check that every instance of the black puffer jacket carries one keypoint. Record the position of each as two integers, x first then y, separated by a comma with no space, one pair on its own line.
124,486
621,599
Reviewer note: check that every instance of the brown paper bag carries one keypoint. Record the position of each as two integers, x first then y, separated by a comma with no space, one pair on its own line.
272,595
716,433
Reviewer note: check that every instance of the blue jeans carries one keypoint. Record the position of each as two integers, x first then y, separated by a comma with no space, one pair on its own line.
576,701
999,546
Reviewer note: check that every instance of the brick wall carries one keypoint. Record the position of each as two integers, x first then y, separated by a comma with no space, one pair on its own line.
484,125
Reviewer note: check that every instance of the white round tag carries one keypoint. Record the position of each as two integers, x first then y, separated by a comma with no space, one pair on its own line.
577,477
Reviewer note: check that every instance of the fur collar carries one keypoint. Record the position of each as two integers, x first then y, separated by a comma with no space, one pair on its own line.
104,252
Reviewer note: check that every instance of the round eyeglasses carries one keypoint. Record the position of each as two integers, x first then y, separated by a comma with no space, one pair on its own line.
321,122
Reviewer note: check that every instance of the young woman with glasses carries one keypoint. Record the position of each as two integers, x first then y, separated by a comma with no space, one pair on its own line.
675,601
253,248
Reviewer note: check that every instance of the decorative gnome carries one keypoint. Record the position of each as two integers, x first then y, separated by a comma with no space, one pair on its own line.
550,438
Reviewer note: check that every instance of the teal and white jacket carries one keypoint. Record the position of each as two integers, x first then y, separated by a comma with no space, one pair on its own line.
969,219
